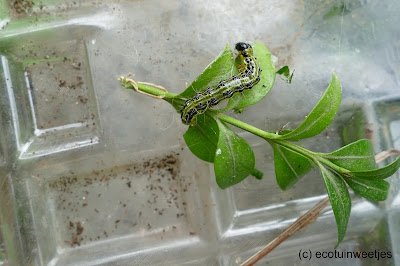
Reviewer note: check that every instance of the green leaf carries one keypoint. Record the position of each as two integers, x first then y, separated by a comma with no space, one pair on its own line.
356,156
376,190
354,128
221,68
261,89
202,139
234,158
284,73
322,114
340,200
375,174
290,166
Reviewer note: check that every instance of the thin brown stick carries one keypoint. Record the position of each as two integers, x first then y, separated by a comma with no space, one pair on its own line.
385,154
304,220
300,223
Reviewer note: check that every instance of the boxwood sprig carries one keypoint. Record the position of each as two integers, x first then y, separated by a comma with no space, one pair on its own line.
212,139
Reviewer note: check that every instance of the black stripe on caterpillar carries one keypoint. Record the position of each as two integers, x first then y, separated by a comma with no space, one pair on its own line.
249,75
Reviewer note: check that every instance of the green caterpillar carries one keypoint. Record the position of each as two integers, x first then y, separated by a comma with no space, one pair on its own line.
248,77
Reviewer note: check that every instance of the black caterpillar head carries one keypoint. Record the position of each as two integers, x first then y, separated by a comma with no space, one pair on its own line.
241,46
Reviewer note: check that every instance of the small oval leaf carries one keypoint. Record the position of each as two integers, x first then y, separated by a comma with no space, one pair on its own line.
221,68
284,74
234,158
375,174
322,114
202,139
356,156
261,89
290,166
375,190
340,200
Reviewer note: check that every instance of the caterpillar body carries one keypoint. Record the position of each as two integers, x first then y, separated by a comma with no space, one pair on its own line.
249,75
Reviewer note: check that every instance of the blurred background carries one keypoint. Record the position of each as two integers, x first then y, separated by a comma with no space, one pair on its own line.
94,174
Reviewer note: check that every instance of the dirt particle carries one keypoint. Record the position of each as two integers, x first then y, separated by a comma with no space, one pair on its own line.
83,99
79,228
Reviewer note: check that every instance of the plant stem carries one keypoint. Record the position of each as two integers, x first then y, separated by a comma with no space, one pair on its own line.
272,137
312,155
247,127
257,174
147,88
171,97
154,91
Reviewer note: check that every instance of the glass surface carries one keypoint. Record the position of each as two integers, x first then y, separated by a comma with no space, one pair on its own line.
91,173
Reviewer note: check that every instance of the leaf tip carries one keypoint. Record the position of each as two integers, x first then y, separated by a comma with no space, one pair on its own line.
335,79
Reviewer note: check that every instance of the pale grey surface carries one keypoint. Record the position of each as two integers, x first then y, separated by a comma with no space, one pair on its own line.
78,152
